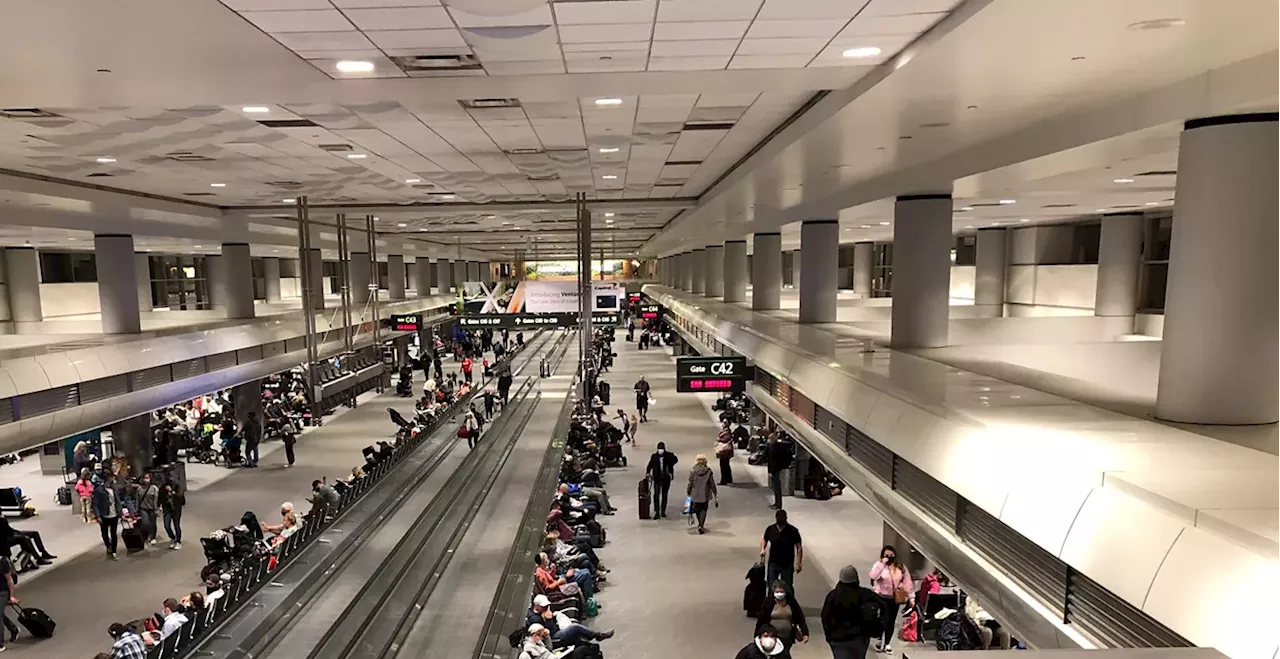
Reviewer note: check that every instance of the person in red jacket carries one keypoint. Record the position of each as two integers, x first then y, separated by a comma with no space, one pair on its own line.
466,369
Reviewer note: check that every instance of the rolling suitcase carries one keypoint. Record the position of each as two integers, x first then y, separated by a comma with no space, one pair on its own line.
646,503
35,621
64,496
133,538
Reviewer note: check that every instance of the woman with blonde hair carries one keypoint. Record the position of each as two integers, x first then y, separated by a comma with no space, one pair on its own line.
701,490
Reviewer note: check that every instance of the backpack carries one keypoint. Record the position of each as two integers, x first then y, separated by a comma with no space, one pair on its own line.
516,637
590,608
872,612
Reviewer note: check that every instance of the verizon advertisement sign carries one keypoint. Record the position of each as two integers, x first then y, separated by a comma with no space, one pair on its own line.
562,296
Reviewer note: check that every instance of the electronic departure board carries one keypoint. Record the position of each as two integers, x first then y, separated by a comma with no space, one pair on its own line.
410,322
695,374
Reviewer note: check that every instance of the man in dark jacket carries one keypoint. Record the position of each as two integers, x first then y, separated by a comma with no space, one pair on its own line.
846,622
106,507
252,437
661,470
779,459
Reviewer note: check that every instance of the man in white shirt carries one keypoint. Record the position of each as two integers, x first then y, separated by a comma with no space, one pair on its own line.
173,618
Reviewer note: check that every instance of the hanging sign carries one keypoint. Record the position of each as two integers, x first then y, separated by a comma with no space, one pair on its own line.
696,374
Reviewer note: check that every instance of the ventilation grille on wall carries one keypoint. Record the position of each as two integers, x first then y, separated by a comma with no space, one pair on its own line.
198,194
680,163
544,177
1057,206
288,185
289,123
335,148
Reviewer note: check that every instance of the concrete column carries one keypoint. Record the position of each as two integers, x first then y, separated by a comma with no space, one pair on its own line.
117,284
989,270
22,274
713,270
395,277
1119,265
766,271
459,274
735,271
358,269
921,270
686,272
237,273
247,398
863,256
131,438
423,276
271,278
819,278
143,271
795,268
317,282
1219,360
698,260
215,281
444,275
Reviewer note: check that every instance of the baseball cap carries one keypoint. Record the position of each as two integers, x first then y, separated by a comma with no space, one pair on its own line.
541,600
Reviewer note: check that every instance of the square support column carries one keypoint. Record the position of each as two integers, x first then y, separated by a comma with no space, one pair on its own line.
735,271
395,277
922,244
766,271
714,270
819,278
117,283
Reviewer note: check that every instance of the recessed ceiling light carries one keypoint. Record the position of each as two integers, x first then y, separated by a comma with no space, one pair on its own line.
1025,219
217,185
255,109
862,51
275,251
969,227
1008,201
608,149
1101,210
354,66
1157,24
608,214
289,201
608,101
1122,180
967,208
199,246
448,196
71,239
356,156
413,180
402,225
865,226
1153,203
884,224
608,177
105,159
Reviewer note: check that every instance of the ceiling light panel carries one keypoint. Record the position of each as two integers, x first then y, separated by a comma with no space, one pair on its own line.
401,18
683,11
700,31
310,20
599,13
780,29
810,9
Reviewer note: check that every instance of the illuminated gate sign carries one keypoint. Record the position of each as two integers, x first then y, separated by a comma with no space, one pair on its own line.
694,374
411,322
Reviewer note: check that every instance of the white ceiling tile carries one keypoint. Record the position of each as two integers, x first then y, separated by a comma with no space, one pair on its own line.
798,9
539,15
614,61
604,33
404,18
688,63
769,61
504,68
299,41
781,46
353,4
629,46
899,7
911,24
597,13
275,22
282,5
727,100
424,50
694,48
771,29
338,54
417,38
706,30
678,11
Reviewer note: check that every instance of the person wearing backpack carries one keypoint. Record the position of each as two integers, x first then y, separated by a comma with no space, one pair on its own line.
892,583
850,616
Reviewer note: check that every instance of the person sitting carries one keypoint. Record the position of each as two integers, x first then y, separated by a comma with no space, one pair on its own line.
193,604
29,541
173,618
574,545
324,498
592,498
550,580
563,630
127,643
567,555
288,521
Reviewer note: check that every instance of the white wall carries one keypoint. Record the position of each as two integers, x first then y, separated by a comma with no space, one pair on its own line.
290,287
1051,290
962,277
69,299
1150,324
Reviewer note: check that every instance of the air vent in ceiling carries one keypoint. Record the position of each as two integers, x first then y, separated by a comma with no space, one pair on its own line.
985,204
198,194
1126,206
1055,206
287,185
490,103
524,152
679,163
187,156
99,175
343,199
289,123
335,148
668,185
544,177
1159,172
708,125
436,63
26,114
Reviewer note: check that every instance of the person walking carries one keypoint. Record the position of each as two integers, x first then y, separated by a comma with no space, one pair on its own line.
785,550
472,427
724,451
148,505
779,460
466,369
632,426
289,438
171,503
783,613
701,491
8,597
84,490
661,471
642,399
764,646
892,583
106,507
850,616
252,437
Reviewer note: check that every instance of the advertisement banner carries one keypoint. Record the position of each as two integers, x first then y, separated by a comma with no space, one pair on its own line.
562,297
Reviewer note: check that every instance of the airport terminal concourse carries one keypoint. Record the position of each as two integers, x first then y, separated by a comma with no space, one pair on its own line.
639,329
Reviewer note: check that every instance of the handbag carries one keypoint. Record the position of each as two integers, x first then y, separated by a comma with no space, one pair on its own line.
900,595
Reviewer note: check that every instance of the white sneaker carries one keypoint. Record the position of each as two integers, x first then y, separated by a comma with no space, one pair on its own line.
177,545
151,541
888,649
879,646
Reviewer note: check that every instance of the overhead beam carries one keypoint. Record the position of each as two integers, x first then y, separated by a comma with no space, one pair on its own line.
676,204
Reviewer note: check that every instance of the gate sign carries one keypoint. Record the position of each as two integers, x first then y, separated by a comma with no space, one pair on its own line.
650,311
411,322
694,374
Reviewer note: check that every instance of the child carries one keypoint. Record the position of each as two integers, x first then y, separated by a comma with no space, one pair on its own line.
84,489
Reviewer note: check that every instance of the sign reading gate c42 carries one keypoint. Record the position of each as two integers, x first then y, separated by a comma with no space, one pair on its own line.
694,374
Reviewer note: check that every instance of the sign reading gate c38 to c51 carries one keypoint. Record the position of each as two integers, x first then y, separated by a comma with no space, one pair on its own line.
695,374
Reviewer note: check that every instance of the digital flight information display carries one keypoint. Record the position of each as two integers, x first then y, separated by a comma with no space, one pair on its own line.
710,385
405,322
695,374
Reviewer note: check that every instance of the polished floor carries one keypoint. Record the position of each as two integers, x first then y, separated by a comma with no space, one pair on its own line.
674,593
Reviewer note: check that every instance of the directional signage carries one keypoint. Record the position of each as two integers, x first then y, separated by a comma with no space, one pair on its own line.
651,311
694,374
410,322
512,320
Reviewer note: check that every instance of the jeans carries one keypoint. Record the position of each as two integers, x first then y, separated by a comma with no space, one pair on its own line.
148,518
251,453
584,547
574,634
108,527
777,572
8,624
598,495
726,470
660,490
775,482
288,450
584,581
888,618
173,525
855,649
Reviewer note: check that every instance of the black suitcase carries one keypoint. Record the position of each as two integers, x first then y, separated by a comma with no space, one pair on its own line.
646,502
64,496
603,390
133,540
36,621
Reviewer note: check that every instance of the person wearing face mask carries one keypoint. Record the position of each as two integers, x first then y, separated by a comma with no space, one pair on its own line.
785,549
783,613
764,645
661,470
537,645
891,581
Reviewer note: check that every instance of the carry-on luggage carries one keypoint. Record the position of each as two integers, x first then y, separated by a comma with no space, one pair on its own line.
134,541
753,593
35,621
645,500
603,390
64,496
